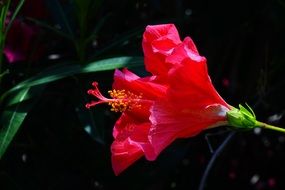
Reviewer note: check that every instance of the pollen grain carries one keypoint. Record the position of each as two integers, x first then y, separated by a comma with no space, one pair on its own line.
123,100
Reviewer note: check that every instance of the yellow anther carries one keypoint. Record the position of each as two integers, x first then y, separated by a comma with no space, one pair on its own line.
123,100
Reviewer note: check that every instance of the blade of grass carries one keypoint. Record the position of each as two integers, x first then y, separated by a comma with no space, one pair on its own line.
3,15
15,13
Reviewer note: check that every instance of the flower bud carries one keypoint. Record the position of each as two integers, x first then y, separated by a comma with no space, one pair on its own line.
242,118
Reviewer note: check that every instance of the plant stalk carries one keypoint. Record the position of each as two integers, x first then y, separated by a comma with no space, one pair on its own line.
271,127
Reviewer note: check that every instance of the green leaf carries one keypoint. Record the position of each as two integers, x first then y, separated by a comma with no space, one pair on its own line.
4,73
13,116
121,40
112,63
62,71
3,14
56,9
52,29
11,121
82,9
97,28
82,5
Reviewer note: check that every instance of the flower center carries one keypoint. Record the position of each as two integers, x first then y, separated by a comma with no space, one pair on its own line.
123,100
120,101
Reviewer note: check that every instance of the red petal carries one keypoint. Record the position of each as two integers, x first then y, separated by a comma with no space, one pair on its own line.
136,127
185,50
190,45
154,32
159,42
169,122
140,136
131,141
124,153
191,87
128,121
131,82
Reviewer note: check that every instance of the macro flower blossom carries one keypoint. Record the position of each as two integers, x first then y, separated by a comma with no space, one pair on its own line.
177,101
192,103
134,97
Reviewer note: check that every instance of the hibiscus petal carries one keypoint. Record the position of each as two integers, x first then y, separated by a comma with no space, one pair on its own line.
154,32
190,45
163,45
131,142
135,126
145,86
170,122
140,136
124,153
126,124
158,43
191,87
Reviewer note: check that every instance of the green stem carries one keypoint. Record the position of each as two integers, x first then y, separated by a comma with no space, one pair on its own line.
3,14
271,127
1,52
2,38
80,49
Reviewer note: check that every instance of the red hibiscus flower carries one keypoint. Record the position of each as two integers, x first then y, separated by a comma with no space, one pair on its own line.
134,96
177,101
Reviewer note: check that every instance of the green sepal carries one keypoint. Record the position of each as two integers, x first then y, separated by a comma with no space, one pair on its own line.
242,118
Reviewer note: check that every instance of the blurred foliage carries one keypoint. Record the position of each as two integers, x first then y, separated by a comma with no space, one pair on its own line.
59,144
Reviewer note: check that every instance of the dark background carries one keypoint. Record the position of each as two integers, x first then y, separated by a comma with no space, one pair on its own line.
244,44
